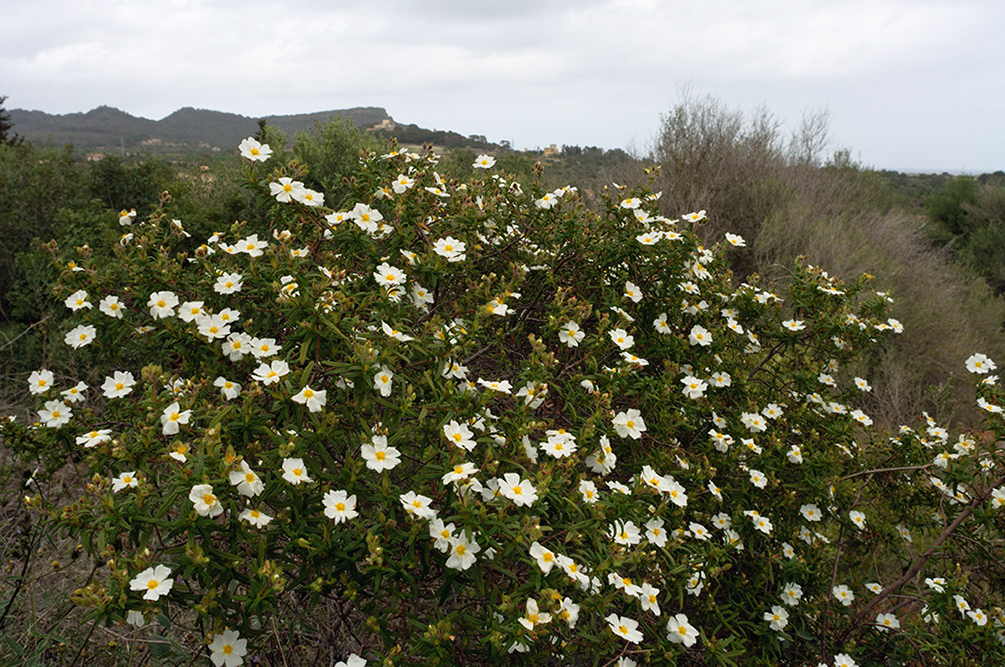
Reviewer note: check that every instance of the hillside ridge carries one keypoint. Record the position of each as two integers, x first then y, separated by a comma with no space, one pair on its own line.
106,126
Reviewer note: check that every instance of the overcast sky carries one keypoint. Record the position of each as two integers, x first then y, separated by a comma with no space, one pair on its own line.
909,84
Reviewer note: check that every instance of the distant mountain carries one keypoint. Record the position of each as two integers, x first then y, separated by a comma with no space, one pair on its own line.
107,127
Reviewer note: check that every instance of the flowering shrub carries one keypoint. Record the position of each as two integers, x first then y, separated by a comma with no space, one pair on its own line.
492,424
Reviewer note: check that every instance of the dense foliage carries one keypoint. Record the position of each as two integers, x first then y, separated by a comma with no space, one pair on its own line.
487,423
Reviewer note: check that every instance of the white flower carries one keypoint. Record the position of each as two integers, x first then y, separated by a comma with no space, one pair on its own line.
460,472
632,291
754,422
252,150
462,553
383,380
162,304
794,325
80,335
693,387
40,382
484,162
857,518
626,533
228,283
294,471
55,414
172,417
843,594
629,424
502,386
778,618
389,276
126,480
227,649
978,616
421,296
255,517
450,248
379,455
230,390
791,594
570,334
77,300
533,394
736,240
887,622
459,435
315,400
520,491
625,627
979,363
533,615
680,631
154,582
352,661
286,189
94,438
205,501
811,512
621,338
339,506
247,481
213,327
861,417
271,373
699,336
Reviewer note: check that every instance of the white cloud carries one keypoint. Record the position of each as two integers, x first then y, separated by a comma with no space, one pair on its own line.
534,71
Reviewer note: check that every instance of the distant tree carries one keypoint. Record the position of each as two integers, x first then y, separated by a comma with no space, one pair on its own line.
948,206
6,125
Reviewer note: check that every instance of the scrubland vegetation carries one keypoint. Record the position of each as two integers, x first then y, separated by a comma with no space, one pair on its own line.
732,403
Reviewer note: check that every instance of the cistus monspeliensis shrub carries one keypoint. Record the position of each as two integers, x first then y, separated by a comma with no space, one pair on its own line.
495,427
